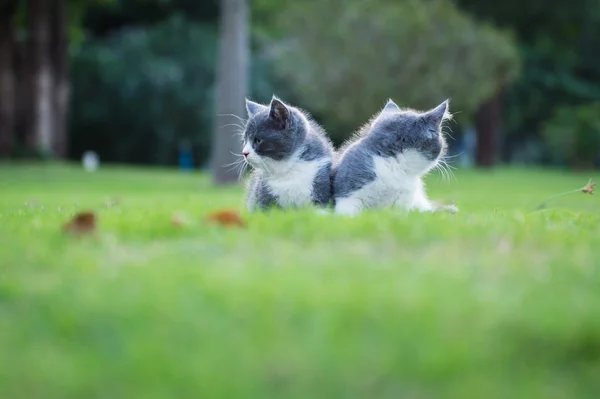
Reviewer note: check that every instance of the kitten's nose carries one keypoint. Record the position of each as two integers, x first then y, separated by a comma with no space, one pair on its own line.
246,153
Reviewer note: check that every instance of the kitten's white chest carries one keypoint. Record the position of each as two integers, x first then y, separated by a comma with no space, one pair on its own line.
392,186
295,187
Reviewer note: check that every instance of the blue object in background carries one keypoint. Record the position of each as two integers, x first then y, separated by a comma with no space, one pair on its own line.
186,159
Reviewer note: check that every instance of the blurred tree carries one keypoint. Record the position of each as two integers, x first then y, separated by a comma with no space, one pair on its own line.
151,82
142,91
231,86
7,77
104,18
34,74
487,125
42,132
346,56
59,43
573,135
558,42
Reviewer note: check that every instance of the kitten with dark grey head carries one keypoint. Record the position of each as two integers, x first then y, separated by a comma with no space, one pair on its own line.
384,164
290,155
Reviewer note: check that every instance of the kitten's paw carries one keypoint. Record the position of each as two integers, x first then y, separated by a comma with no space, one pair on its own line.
348,207
449,208
322,212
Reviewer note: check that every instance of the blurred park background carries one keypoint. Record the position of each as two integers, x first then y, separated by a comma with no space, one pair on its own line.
499,301
156,82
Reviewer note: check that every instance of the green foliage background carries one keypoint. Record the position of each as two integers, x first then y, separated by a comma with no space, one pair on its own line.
573,134
339,59
139,93
346,58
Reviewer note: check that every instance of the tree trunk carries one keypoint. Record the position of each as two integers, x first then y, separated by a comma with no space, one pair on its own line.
61,89
7,81
487,124
231,86
42,129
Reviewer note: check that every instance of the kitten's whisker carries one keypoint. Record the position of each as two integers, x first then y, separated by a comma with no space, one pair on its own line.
232,124
445,130
242,170
241,164
449,169
445,160
233,166
236,162
237,155
452,156
442,171
235,116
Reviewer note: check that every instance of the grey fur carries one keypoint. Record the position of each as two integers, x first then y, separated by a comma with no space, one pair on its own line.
322,188
279,132
353,172
388,134
259,194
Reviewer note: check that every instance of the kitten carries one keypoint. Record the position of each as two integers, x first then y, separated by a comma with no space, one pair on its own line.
290,155
384,164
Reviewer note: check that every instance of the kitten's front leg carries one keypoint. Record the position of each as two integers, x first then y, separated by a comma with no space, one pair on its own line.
349,206
251,189
322,189
421,203
260,197
447,208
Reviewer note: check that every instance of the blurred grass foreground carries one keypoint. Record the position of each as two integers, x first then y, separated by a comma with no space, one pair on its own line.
495,302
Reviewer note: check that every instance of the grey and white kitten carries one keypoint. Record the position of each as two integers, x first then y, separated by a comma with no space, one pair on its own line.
290,155
384,164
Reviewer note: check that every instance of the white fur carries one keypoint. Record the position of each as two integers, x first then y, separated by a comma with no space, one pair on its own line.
397,183
290,180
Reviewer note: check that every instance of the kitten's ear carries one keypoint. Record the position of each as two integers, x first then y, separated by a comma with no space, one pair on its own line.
391,106
253,107
280,113
435,116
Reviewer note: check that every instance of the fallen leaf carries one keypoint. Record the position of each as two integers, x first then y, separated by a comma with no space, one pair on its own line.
179,220
226,218
82,223
589,188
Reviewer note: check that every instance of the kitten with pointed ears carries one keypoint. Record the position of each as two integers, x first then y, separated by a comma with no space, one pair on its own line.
384,164
290,155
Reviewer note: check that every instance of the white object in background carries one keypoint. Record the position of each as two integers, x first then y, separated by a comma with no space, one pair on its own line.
90,161
467,157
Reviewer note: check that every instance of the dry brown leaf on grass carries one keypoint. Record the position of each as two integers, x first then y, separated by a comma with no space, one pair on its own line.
226,218
589,188
177,221
180,219
81,223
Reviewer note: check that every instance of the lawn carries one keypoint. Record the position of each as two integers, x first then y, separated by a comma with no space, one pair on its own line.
494,302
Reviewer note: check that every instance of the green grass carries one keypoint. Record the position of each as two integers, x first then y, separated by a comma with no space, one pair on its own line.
494,302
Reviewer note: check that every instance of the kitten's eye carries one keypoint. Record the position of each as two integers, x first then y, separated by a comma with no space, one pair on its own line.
257,140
